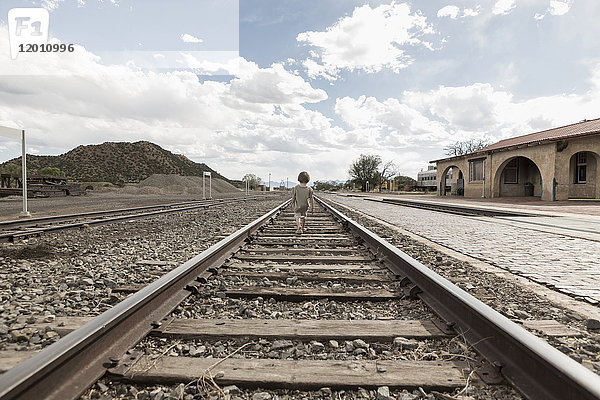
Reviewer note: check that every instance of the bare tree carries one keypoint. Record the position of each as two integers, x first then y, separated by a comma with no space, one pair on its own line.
465,147
389,170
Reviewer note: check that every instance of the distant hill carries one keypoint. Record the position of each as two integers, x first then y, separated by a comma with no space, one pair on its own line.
121,162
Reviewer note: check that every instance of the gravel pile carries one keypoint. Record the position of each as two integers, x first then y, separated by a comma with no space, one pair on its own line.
72,273
177,184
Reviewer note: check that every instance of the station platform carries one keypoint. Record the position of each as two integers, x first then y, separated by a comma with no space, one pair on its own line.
526,204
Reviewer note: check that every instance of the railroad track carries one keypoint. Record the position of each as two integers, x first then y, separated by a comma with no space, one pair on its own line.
265,288
24,228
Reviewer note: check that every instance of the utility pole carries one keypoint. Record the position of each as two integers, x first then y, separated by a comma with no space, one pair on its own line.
269,181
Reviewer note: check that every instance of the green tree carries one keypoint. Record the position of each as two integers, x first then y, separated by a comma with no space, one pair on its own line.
365,170
320,185
11,169
51,171
253,180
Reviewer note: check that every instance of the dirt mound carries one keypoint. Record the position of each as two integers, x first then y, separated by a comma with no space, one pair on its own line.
176,184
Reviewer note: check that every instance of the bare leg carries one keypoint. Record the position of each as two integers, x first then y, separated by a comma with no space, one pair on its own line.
303,222
299,226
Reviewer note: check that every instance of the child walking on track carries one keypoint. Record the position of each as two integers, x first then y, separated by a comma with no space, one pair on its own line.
301,196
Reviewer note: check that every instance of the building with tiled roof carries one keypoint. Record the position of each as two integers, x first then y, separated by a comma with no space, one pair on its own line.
554,164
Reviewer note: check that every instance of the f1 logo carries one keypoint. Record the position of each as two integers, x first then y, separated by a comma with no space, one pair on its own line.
27,26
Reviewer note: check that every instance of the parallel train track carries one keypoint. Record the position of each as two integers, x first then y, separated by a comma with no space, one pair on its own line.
264,262
24,228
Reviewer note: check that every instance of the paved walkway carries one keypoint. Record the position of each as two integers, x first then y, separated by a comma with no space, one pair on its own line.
570,207
566,263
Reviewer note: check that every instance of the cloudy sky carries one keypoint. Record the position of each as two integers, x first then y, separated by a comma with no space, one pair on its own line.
279,86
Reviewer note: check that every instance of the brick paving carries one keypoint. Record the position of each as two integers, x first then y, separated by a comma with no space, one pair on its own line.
568,264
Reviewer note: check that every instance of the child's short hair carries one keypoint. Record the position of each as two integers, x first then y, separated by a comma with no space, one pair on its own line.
303,177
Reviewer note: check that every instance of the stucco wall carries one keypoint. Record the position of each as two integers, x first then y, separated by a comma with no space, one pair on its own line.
542,156
550,162
565,174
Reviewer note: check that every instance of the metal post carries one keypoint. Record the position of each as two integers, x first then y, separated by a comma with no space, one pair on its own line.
210,187
203,187
24,213
269,181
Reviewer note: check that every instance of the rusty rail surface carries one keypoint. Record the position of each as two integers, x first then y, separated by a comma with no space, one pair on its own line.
536,369
68,367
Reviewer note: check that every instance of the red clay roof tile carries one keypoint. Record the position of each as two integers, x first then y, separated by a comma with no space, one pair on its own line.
564,132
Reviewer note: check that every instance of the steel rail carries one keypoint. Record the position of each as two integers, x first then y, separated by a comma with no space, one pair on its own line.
68,367
33,222
11,236
536,369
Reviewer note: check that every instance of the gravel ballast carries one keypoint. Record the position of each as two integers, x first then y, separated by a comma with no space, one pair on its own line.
139,252
73,272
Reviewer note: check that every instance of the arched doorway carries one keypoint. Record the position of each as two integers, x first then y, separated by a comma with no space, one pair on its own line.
518,177
452,182
583,175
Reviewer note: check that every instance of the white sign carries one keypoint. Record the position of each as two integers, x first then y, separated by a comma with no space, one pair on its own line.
27,27
10,132
206,173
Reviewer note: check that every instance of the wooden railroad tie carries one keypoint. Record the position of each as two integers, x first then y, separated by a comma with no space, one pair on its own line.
370,330
303,258
305,267
297,374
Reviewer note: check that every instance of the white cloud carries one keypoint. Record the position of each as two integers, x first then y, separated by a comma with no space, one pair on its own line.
454,12
447,114
472,12
275,85
502,7
51,5
389,123
370,40
187,38
560,7
467,108
259,114
448,11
